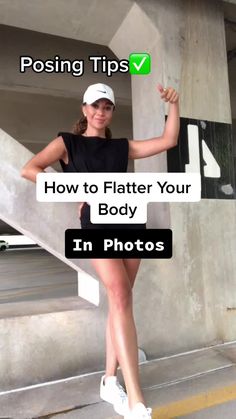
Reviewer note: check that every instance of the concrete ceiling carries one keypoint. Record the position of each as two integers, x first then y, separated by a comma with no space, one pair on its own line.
94,22
89,20
82,20
18,41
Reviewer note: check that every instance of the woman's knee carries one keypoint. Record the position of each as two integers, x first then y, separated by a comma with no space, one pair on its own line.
114,276
120,297
131,266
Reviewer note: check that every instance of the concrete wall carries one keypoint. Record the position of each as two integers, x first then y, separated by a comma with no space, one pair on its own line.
189,300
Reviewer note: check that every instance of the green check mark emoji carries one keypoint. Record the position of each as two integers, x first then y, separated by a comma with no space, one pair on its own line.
139,63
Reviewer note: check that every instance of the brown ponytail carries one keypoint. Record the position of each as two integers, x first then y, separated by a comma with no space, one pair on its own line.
80,127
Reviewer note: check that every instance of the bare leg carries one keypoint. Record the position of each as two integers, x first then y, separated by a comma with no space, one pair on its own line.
123,332
131,266
111,358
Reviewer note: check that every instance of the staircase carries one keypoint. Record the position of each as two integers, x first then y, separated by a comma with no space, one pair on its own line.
48,339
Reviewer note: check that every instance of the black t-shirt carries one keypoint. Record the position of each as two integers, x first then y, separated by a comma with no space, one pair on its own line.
95,154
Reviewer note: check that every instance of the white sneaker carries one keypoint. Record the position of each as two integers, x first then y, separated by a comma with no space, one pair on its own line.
112,392
139,411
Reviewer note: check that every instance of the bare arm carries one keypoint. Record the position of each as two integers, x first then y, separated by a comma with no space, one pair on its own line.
54,151
169,138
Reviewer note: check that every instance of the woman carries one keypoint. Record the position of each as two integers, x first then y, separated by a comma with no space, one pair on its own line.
90,148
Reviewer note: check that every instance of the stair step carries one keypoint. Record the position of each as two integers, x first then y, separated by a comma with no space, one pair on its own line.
168,385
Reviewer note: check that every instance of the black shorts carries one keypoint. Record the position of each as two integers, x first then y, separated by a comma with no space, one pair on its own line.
86,223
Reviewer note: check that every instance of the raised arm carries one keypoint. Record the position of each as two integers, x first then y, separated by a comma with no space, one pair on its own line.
169,138
54,151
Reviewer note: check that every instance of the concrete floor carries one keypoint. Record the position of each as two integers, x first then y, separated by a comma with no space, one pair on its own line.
223,411
198,384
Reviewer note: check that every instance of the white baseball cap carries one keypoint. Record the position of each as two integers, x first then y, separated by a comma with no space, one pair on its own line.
98,91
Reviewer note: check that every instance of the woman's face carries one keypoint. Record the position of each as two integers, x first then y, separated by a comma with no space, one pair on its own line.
99,113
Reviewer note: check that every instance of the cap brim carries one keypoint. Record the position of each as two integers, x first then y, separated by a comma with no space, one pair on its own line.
98,97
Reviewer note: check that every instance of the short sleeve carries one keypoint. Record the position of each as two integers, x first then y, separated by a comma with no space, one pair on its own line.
67,141
67,138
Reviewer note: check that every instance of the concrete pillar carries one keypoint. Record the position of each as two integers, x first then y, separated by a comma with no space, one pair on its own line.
186,40
148,111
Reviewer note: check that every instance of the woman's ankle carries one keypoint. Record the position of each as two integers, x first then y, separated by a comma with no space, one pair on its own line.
107,375
133,403
110,373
